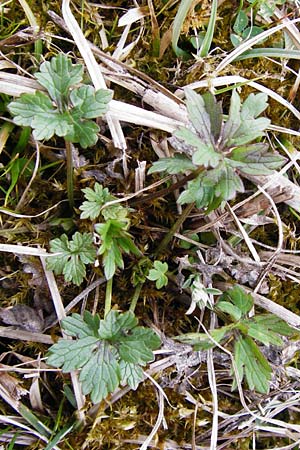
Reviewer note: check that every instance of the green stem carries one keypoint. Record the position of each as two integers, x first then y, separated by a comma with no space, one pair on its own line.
161,247
108,296
70,174
135,297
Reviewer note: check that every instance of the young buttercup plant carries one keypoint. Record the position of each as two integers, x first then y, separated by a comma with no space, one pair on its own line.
252,365
66,109
107,352
219,152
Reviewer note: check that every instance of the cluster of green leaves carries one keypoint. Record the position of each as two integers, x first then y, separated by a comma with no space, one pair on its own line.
113,231
71,257
220,151
67,109
107,352
234,306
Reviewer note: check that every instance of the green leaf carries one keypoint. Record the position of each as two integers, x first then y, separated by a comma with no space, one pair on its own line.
115,324
237,296
241,22
85,132
214,109
101,374
227,182
230,309
255,159
57,76
75,325
201,340
71,355
131,374
234,120
158,274
252,364
201,190
107,351
36,110
88,103
250,127
137,346
198,115
95,199
73,256
266,328
177,164
204,153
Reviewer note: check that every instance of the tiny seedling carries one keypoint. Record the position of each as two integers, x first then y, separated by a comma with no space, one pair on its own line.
107,352
219,152
234,306
65,110
158,274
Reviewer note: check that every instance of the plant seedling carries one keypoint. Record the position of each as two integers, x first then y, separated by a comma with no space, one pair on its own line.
219,152
107,352
65,110
235,305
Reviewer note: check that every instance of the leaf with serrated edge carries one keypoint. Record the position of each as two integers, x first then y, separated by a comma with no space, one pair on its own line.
101,374
84,132
74,325
264,335
115,323
228,182
90,103
71,355
177,164
214,109
252,363
58,75
136,347
131,374
74,270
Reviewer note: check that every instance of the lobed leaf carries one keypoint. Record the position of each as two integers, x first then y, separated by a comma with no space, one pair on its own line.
177,164
237,296
101,374
90,104
57,76
252,364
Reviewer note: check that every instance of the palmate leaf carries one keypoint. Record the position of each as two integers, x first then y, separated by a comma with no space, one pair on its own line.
95,199
201,190
107,352
226,182
252,364
158,274
115,324
266,328
250,127
73,256
238,297
57,76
